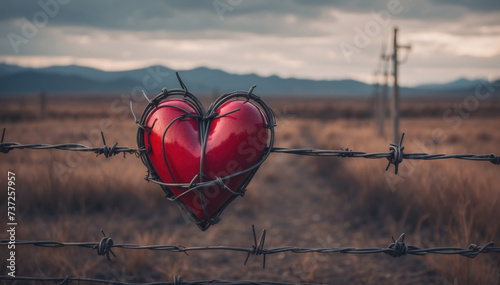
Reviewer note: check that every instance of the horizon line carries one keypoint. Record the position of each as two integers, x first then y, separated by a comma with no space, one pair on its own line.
243,74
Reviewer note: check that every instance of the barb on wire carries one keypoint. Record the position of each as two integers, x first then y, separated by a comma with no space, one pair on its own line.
176,281
104,246
257,248
397,155
397,248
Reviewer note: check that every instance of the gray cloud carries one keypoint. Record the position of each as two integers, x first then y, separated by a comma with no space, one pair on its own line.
489,6
182,15
175,16
111,14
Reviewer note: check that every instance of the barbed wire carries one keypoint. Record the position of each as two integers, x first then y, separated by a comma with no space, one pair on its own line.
397,248
105,150
395,155
176,281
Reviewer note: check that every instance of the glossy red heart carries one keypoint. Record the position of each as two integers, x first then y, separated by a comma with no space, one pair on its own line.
236,138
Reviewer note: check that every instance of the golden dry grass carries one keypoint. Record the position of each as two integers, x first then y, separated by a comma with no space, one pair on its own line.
302,201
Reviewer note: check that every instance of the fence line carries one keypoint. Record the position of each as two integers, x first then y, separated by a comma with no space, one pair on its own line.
397,248
395,155
176,281
106,245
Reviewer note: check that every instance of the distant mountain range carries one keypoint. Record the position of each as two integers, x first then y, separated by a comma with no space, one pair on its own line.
461,83
202,80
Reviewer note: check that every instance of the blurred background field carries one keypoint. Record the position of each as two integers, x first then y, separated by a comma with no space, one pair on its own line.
301,201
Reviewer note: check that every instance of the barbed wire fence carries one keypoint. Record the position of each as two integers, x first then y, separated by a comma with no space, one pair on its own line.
176,281
105,247
395,155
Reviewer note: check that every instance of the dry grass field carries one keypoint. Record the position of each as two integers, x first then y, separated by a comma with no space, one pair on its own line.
301,201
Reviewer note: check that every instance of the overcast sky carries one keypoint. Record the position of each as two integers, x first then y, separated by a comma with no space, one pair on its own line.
303,39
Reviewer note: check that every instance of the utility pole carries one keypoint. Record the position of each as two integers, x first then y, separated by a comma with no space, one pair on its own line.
395,89
43,105
379,117
382,96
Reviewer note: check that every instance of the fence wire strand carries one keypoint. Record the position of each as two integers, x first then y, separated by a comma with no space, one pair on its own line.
176,281
105,246
397,248
105,150
395,155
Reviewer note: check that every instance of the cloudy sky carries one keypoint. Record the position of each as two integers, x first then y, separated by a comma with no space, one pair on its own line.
305,39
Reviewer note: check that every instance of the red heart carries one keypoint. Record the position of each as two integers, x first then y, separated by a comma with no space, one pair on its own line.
236,134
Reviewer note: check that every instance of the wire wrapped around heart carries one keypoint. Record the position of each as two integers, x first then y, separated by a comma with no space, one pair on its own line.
188,109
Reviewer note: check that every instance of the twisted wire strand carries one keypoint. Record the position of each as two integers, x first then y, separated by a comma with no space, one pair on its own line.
493,158
70,147
176,281
105,150
397,248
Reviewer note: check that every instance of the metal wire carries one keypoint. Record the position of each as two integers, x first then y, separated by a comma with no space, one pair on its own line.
176,281
105,150
395,155
397,248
